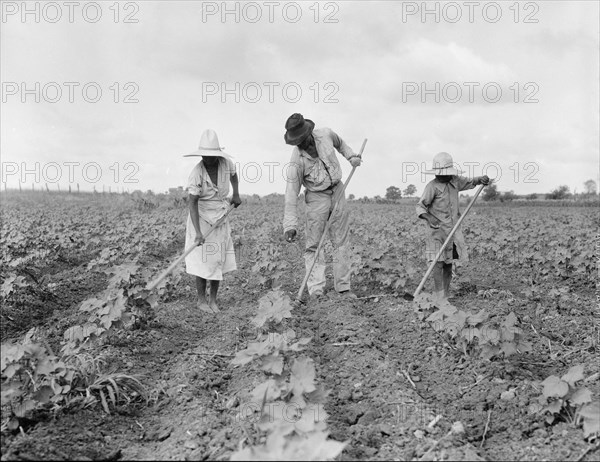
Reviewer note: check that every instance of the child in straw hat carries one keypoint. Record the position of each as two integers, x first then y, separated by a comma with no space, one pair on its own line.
439,207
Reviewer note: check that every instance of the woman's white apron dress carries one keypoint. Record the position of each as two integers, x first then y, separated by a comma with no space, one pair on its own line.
216,256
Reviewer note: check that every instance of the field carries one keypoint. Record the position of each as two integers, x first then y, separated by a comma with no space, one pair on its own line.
95,367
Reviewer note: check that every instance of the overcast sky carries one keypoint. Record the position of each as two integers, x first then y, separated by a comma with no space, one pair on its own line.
516,86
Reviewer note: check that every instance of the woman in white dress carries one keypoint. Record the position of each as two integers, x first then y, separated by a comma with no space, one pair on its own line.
208,188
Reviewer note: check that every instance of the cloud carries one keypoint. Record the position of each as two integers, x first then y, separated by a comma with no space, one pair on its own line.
447,62
363,62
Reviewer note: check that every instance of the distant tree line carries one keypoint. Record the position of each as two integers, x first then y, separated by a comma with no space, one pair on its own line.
177,197
490,193
562,192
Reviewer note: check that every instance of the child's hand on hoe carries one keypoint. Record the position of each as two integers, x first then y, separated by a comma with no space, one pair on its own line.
484,180
433,221
199,239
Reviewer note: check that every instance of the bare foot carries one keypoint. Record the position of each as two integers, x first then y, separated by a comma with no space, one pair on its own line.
203,306
214,307
440,297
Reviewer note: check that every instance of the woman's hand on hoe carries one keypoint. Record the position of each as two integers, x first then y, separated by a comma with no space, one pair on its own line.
236,201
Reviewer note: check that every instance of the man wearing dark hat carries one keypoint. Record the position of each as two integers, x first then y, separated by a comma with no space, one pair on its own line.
315,166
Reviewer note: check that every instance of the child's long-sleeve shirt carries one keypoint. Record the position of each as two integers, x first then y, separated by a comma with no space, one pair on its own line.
441,200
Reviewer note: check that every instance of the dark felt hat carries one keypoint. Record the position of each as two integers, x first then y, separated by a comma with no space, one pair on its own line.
297,128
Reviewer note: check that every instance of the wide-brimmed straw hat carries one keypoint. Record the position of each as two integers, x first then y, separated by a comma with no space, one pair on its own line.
443,165
297,128
209,146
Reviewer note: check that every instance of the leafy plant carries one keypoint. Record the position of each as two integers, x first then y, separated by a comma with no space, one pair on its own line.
566,399
289,403
472,332
315,446
124,301
32,378
10,283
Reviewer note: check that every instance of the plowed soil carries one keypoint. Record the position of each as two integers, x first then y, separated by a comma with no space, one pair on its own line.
395,386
